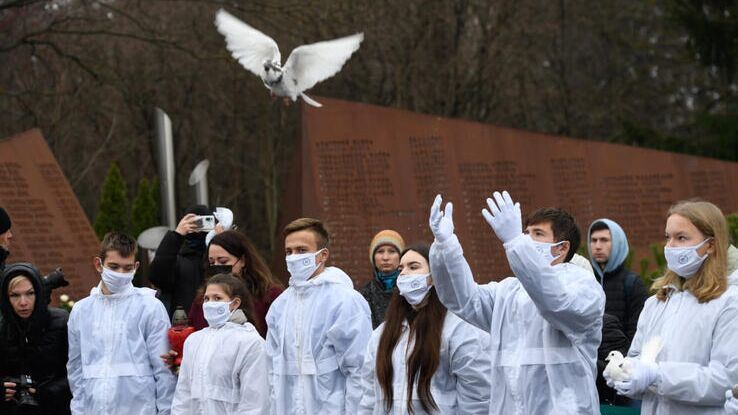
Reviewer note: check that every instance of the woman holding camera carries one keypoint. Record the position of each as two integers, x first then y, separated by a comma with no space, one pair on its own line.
33,346
176,269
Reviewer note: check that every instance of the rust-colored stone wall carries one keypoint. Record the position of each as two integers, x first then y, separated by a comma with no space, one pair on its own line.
366,168
49,228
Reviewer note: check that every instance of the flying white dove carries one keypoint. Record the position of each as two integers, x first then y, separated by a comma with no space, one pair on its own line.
620,368
306,66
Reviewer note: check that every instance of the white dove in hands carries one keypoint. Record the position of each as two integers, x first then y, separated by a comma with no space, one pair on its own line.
618,368
504,217
441,223
306,66
638,373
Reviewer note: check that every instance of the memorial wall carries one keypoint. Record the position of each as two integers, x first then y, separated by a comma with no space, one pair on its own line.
365,168
50,229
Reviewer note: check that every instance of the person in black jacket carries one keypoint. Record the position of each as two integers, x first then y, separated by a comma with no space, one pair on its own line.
625,292
5,236
178,266
33,342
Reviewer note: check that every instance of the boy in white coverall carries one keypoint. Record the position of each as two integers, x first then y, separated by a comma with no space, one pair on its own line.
318,330
544,322
115,338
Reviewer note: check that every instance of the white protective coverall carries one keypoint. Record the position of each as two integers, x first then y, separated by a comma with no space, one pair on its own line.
460,384
545,327
223,372
318,331
115,342
699,358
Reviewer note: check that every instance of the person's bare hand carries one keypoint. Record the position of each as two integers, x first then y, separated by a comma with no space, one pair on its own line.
168,359
187,225
219,228
9,390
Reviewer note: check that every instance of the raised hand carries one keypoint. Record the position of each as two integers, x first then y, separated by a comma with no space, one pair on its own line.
441,223
504,216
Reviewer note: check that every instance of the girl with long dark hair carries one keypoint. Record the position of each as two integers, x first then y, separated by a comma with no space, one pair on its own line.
423,359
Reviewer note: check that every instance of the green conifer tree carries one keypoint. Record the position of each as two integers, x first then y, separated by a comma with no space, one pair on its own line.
112,213
145,207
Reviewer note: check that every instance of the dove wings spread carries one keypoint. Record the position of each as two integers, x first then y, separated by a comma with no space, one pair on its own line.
249,46
307,64
310,64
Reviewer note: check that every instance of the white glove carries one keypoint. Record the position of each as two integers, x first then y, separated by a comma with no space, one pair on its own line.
441,223
506,220
731,403
644,375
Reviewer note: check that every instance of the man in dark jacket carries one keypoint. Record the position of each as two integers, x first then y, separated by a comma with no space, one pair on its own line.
625,292
178,266
5,236
33,342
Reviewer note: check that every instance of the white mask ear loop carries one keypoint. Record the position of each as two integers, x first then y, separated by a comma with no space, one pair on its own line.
556,245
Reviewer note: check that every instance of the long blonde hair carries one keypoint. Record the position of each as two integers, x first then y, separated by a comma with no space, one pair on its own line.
711,281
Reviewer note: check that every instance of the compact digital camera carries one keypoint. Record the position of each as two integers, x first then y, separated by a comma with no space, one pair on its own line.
205,223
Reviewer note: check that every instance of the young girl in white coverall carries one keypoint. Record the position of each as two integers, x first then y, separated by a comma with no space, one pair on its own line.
695,314
224,366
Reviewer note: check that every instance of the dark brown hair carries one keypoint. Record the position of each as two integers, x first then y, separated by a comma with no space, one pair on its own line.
255,273
563,225
426,327
598,226
117,241
235,288
313,225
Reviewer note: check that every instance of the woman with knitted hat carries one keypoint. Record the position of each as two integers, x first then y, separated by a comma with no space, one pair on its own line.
384,255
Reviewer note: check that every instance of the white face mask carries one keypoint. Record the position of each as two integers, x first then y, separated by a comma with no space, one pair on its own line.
217,313
414,287
685,261
302,266
544,248
117,281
